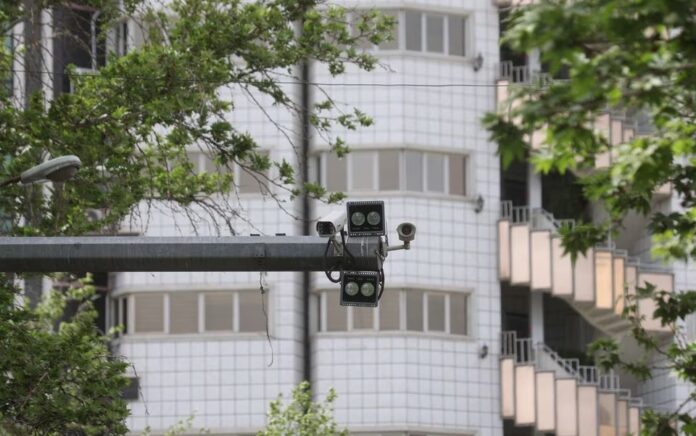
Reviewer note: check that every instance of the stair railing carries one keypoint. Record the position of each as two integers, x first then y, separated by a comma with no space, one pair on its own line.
507,344
525,350
521,349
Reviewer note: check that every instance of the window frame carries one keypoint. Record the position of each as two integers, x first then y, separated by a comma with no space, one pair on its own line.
322,322
130,327
236,170
445,13
323,155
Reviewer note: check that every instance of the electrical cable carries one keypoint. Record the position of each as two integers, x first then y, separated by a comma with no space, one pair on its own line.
381,283
329,271
345,248
345,261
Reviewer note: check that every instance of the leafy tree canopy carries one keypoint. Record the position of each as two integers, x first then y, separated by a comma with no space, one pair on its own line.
636,57
132,121
301,415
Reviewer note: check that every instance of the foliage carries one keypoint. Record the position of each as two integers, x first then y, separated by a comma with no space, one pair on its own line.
131,123
302,416
56,371
183,426
635,57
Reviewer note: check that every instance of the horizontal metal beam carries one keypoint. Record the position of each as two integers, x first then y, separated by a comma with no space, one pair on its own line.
136,253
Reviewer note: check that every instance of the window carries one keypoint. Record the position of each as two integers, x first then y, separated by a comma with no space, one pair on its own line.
389,170
119,314
336,315
251,317
436,172
432,33
121,38
149,313
408,170
363,318
435,33
183,309
390,310
458,314
219,312
336,173
436,312
183,312
414,171
393,44
247,182
363,170
252,182
124,314
413,30
414,310
423,311
355,21
457,170
457,42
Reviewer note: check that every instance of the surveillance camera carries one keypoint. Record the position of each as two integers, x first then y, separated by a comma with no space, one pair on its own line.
407,232
332,223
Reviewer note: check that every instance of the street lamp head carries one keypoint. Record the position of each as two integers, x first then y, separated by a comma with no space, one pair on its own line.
59,169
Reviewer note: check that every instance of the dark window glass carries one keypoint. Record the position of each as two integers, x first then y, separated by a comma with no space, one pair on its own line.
149,313
393,44
414,171
219,312
414,310
336,173
389,170
458,314
413,31
435,40
251,318
363,318
183,313
457,175
457,41
389,310
436,312
336,315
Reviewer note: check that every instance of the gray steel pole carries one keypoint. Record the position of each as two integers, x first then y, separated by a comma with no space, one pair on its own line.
135,253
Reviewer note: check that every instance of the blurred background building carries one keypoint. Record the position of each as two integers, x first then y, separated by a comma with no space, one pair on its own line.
484,323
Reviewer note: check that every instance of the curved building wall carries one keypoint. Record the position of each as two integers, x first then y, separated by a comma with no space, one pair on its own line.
441,379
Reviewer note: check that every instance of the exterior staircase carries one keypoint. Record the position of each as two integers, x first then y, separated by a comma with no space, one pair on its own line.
615,126
530,254
542,390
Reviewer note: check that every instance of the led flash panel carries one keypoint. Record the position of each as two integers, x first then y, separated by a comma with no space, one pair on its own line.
365,218
360,288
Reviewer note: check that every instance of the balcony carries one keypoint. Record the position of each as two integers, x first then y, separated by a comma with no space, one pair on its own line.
531,255
542,390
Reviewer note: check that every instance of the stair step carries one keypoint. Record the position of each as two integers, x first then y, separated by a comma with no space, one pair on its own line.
531,254
535,396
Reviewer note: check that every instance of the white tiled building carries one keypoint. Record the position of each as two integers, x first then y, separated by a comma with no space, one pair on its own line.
485,261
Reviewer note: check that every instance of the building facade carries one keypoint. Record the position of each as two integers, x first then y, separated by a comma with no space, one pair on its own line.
483,323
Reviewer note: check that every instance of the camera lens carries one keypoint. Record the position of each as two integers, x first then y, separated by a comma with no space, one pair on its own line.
358,218
352,288
367,289
374,218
